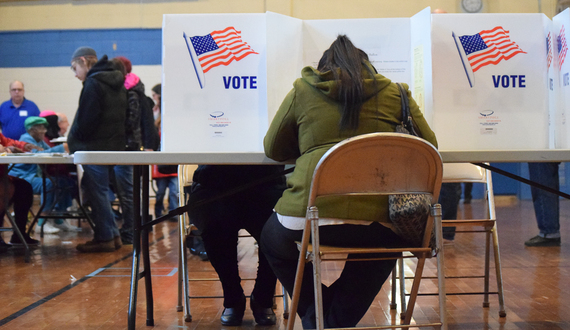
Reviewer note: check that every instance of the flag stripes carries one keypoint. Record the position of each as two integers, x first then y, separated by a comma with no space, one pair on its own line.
220,48
489,47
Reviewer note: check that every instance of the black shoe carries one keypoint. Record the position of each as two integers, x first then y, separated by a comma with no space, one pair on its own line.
543,241
126,238
15,240
262,315
232,316
4,247
196,246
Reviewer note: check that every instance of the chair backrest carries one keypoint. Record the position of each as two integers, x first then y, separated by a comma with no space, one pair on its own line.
463,172
466,172
378,163
185,174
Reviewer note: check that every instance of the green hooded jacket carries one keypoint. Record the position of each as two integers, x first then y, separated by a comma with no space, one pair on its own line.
306,126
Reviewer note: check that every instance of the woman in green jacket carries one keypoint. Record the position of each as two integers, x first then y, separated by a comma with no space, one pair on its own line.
343,97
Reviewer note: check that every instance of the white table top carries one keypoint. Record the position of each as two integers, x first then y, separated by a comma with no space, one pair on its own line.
33,158
175,158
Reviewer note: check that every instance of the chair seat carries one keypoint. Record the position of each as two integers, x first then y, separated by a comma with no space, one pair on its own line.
336,250
487,223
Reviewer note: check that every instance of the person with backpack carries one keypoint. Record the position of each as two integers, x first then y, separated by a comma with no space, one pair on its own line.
139,136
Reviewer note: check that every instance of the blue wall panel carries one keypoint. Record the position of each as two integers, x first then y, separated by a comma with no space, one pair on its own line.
54,48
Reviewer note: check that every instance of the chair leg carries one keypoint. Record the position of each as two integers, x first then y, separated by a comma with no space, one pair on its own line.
285,303
299,277
414,290
184,267
402,277
394,276
498,271
487,265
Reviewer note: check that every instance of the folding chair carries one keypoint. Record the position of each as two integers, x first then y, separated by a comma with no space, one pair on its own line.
47,212
461,173
374,164
185,173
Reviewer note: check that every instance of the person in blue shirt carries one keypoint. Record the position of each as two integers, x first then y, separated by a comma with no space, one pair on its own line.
36,129
14,112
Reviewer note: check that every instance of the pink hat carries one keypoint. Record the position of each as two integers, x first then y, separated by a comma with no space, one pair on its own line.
46,113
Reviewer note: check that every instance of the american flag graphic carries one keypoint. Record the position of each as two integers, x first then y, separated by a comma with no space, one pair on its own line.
562,47
548,50
220,48
489,47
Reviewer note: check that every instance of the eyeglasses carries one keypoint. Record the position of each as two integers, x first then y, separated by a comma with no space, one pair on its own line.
16,90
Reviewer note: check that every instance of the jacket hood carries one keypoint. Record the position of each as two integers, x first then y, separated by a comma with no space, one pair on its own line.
103,71
138,87
131,80
326,84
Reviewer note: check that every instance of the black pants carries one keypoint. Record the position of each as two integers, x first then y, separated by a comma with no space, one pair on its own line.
220,222
346,301
449,197
22,200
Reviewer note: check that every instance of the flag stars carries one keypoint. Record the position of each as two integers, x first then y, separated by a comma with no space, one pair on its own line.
203,44
472,43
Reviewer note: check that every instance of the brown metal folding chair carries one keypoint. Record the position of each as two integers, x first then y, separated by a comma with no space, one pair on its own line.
374,164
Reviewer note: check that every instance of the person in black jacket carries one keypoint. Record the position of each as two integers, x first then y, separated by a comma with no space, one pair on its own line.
99,125
220,221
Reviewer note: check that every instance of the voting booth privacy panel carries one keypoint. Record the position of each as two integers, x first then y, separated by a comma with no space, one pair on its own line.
483,81
560,76
225,75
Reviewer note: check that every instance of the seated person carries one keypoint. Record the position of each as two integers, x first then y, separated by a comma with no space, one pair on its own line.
343,97
52,127
220,221
36,128
15,191
19,193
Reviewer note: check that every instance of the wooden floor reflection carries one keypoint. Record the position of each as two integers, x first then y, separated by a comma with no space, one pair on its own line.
63,289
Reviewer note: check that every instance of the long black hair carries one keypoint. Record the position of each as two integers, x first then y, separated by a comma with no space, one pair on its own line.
345,61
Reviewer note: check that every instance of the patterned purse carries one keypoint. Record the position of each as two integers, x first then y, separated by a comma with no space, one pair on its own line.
409,212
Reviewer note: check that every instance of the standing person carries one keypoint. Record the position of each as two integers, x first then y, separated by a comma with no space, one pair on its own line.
139,102
99,125
219,223
163,180
141,135
14,112
343,97
546,205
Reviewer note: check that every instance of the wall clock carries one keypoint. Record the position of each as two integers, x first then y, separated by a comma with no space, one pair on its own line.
472,6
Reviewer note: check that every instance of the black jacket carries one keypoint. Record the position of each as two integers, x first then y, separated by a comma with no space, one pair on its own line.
141,132
99,123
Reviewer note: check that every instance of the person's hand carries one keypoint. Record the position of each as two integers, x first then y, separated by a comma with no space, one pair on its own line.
14,149
66,147
4,149
29,147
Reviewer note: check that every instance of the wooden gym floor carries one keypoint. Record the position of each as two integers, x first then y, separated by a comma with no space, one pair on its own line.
64,289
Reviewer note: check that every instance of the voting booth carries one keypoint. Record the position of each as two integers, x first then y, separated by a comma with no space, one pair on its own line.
559,73
490,82
225,75
483,81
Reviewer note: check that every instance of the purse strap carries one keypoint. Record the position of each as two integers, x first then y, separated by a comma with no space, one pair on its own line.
406,115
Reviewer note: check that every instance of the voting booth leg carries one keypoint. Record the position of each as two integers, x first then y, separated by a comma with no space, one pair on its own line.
145,246
136,247
140,244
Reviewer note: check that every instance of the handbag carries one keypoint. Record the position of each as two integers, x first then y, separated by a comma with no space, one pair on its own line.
409,212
